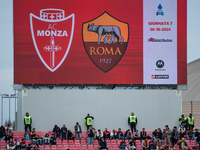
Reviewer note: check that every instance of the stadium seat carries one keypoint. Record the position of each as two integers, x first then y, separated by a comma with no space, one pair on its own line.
65,147
64,142
95,142
108,141
71,142
83,142
114,147
58,142
50,132
3,147
84,147
43,133
2,143
97,146
53,147
47,147
14,133
27,142
113,142
90,147
59,147
118,142
193,142
78,147
77,142
20,133
71,147
39,133
139,147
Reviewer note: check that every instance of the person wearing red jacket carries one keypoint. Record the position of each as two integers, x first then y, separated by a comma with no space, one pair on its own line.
106,134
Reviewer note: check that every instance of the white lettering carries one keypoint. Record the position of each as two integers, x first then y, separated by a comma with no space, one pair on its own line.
51,33
40,33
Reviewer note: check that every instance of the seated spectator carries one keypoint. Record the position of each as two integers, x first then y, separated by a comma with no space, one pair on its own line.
196,134
64,132
106,134
29,147
182,144
9,127
181,131
145,144
26,135
159,143
159,134
56,131
132,144
102,144
2,136
190,135
17,145
2,128
95,134
123,145
33,134
53,140
22,144
120,134
113,134
99,135
155,135
10,144
9,135
198,139
127,135
152,144
143,134
70,135
136,135
39,140
196,147
46,139
163,135
36,147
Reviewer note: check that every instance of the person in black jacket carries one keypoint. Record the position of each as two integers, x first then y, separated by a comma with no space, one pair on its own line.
143,134
127,135
174,137
70,135
103,144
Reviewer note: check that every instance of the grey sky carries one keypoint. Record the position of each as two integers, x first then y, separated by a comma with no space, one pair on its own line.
6,40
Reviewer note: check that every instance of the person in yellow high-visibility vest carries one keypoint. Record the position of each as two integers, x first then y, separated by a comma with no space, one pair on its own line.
89,121
132,121
181,119
190,121
27,122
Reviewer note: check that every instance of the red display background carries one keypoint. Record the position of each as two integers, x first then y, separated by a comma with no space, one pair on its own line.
77,67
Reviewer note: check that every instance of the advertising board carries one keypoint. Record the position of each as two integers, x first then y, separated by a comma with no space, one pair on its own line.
100,42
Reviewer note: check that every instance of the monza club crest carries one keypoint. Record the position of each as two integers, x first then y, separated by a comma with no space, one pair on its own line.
52,35
105,39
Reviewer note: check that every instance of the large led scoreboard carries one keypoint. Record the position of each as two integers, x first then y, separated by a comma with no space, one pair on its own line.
100,42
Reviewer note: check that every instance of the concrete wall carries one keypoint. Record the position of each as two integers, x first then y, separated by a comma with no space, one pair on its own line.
110,108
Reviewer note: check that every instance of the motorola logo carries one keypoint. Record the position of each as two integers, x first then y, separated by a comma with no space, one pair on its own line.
160,63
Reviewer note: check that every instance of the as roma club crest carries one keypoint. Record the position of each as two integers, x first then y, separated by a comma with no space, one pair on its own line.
105,39
52,35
